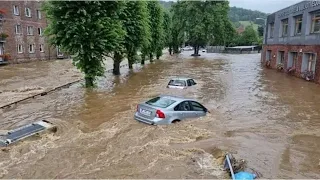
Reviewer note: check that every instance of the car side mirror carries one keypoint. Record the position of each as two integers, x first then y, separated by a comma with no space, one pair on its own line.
206,110
194,83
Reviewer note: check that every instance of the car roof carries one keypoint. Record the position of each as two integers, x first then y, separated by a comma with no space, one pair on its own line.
180,78
176,98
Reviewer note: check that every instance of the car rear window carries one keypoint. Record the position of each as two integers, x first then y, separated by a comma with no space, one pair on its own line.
160,102
177,83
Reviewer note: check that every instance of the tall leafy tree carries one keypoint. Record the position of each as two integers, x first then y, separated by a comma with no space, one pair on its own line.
87,29
167,31
249,36
135,24
178,26
203,22
156,26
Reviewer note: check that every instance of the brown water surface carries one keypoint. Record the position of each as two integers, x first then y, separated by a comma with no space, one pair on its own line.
268,118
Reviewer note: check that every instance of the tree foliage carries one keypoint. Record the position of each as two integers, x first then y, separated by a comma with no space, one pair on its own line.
157,30
88,30
178,23
249,36
260,30
203,22
135,23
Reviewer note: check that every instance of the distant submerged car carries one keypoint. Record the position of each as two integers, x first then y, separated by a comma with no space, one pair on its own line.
181,83
167,109
187,48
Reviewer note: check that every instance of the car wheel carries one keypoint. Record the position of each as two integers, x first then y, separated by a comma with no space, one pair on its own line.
175,121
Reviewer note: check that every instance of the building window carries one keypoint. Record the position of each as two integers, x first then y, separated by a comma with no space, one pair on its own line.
20,49
18,29
16,10
31,48
268,55
315,26
271,30
280,57
41,48
308,62
298,25
40,31
292,59
28,12
284,27
38,14
30,30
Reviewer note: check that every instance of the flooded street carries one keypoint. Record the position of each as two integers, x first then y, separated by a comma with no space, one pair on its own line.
268,118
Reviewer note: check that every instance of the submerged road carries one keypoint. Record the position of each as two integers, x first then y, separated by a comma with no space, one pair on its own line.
268,118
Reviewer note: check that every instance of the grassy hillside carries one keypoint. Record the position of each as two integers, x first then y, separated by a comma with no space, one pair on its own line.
247,23
238,16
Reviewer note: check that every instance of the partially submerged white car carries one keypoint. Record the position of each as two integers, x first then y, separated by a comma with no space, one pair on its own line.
181,83
187,48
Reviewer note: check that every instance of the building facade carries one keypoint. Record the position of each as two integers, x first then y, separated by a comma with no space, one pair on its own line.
292,40
23,23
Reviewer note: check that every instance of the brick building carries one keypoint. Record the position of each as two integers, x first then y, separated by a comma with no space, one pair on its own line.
292,40
24,24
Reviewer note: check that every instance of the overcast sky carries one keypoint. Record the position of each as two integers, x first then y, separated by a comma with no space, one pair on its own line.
267,6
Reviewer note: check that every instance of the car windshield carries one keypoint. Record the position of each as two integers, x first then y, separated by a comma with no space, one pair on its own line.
177,83
160,102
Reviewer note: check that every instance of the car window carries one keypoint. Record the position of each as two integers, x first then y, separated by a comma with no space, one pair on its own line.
192,82
189,82
196,106
160,102
177,83
184,106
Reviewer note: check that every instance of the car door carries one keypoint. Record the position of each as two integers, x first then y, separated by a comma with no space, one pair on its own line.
197,109
184,111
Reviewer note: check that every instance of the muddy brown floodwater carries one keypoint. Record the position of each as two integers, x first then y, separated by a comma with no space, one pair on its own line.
268,118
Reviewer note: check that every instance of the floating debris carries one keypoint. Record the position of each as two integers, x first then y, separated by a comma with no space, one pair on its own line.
238,169
25,131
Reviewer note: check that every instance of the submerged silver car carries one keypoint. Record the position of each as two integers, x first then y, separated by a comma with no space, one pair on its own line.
167,109
181,83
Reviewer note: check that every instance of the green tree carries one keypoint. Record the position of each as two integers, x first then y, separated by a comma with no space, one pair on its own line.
260,30
87,29
146,44
178,25
135,24
168,29
156,25
203,22
249,36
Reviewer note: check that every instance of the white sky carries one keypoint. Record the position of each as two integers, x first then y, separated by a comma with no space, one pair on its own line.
267,6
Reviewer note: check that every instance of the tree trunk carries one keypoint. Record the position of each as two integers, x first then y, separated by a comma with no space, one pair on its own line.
196,51
116,63
151,57
143,58
131,59
170,50
89,82
175,49
130,62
